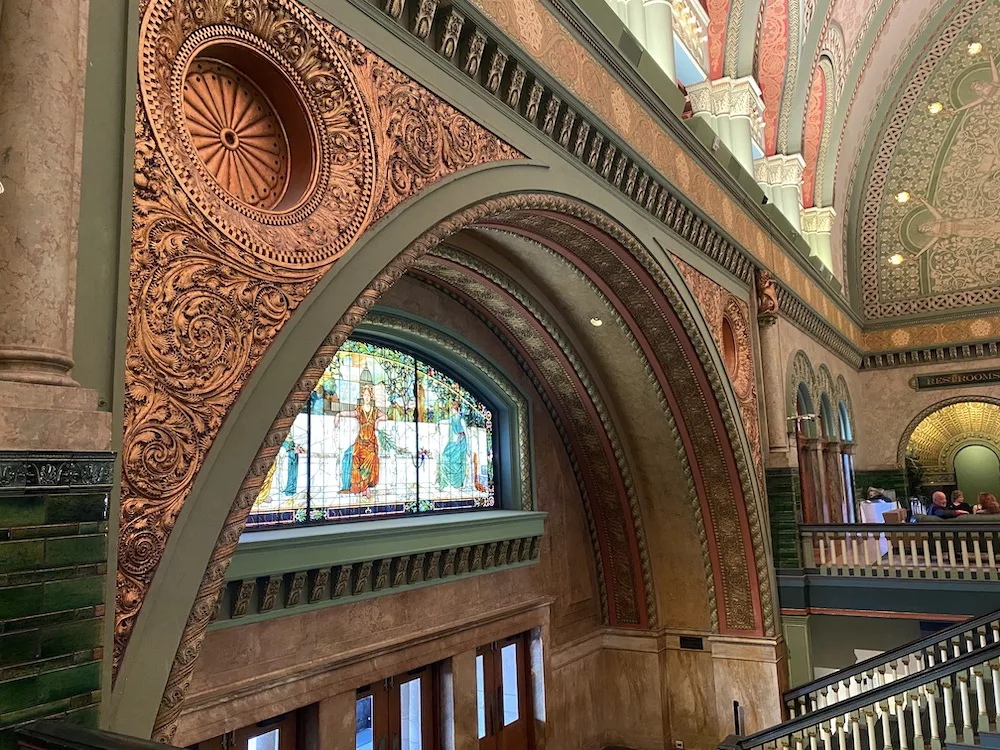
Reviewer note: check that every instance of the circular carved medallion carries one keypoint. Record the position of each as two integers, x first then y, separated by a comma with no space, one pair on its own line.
236,133
260,119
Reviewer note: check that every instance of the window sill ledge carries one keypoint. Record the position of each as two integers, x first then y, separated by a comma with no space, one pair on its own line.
288,571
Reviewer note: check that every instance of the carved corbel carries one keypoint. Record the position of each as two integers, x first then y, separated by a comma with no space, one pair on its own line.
767,298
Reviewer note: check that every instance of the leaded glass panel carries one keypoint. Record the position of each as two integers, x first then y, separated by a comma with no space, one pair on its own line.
383,433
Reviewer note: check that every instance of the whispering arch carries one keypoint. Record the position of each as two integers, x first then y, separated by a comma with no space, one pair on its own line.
578,217
907,433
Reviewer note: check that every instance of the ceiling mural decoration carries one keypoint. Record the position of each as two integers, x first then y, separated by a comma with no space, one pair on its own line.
929,219
889,89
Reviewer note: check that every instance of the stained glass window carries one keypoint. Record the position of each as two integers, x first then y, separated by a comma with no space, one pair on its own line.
384,433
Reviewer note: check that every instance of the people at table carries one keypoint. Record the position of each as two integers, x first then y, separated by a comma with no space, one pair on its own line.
987,505
958,502
940,508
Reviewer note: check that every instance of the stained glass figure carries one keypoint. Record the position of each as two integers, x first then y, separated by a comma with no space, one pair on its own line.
383,433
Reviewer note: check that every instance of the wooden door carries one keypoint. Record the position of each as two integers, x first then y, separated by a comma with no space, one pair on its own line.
399,713
504,702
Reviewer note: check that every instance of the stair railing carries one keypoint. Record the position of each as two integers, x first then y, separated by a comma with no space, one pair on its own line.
962,638
946,703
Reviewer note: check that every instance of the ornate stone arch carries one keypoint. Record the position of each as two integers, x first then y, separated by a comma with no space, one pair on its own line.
904,439
843,396
824,386
801,376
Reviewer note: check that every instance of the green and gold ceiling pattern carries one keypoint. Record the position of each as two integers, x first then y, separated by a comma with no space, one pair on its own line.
929,231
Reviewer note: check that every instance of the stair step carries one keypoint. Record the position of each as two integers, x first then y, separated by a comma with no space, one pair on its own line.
960,746
989,739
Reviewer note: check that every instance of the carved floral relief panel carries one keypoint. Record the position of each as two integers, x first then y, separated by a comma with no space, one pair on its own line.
723,310
267,142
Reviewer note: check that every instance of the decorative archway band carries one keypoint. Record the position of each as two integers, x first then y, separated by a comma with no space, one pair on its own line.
221,265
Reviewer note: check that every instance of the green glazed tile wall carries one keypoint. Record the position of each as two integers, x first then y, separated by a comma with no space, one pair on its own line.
784,499
52,572
886,479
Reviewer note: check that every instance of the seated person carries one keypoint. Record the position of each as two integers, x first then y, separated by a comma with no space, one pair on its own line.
958,502
940,508
987,505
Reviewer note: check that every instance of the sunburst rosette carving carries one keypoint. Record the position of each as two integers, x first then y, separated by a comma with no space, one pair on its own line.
262,123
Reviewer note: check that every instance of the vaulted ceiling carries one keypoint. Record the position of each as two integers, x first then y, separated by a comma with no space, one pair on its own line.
882,98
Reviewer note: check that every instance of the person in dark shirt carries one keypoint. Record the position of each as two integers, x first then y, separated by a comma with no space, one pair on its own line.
940,508
958,502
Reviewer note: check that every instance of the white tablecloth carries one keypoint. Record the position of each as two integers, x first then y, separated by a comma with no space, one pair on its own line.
872,512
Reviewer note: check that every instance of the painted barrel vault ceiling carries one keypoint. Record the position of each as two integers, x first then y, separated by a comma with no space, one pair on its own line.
850,84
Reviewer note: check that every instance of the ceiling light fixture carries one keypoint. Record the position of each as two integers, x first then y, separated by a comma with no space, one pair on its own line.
975,48
902,197
935,107
596,322
896,259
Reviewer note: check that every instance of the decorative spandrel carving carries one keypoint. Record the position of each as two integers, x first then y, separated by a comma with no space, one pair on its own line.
219,264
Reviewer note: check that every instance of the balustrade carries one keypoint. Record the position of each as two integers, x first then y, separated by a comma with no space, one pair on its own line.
945,550
947,702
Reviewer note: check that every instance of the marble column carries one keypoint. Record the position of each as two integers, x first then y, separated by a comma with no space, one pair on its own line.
337,722
834,487
42,70
780,177
821,508
635,19
850,491
773,391
817,228
737,110
42,73
660,35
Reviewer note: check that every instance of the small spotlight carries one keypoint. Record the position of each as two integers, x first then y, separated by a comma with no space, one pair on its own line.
896,259
902,197
975,48
935,107
596,322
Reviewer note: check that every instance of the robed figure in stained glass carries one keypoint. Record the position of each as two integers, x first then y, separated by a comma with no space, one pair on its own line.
451,469
364,452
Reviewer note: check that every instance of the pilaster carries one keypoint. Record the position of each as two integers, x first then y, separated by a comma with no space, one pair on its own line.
780,177
817,227
737,114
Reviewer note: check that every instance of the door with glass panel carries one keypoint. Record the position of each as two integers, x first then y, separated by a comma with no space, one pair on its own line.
275,734
504,705
397,713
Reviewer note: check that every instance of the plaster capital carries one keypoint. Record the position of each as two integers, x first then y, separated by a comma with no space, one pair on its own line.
780,169
818,220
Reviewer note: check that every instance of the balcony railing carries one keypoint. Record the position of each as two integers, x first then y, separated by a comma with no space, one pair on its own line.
895,665
946,703
944,550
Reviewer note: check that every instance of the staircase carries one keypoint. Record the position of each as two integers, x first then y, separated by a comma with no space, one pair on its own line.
943,690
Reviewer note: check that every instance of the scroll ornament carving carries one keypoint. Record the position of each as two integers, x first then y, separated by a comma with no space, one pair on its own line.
218,265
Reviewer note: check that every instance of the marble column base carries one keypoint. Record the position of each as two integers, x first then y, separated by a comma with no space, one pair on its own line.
36,417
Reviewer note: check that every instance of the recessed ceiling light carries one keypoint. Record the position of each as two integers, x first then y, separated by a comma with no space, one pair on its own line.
902,197
596,322
975,48
896,259
935,107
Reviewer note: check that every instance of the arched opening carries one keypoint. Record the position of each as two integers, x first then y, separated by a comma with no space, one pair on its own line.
932,442
807,425
847,460
977,469
518,269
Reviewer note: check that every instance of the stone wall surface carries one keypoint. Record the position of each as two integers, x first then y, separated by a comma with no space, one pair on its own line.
890,405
